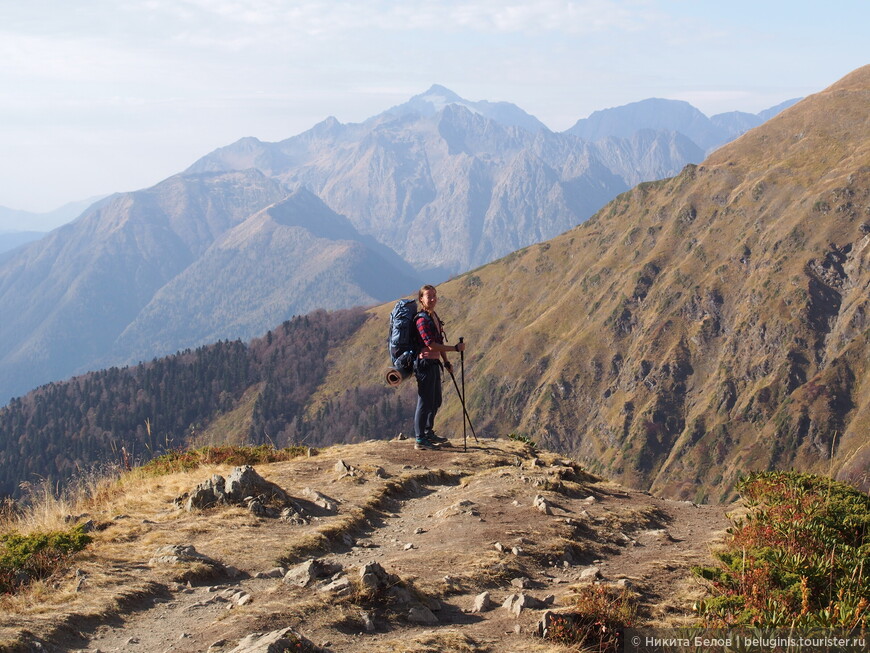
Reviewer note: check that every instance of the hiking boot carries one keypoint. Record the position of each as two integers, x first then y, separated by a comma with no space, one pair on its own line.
437,439
425,444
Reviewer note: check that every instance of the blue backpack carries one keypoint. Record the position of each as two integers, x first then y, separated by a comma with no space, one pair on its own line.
404,340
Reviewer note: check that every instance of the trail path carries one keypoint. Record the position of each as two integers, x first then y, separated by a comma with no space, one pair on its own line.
435,520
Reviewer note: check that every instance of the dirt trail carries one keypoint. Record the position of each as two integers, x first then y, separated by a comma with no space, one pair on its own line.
437,520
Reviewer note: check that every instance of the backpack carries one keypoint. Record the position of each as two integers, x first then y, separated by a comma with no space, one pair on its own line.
404,341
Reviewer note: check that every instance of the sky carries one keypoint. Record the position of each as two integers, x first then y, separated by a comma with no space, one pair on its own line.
101,96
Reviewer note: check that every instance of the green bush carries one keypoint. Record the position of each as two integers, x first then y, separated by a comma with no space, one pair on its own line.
25,558
798,558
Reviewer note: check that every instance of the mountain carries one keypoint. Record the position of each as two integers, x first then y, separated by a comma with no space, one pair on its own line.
13,220
288,259
671,116
695,328
450,184
434,100
191,260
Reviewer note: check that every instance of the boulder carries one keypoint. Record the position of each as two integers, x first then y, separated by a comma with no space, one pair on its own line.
516,603
422,615
306,572
374,577
173,554
276,641
245,482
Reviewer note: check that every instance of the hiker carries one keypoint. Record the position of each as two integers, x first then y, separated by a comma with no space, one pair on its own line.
427,369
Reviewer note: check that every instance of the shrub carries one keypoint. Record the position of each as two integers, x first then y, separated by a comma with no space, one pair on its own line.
797,559
596,619
521,437
25,558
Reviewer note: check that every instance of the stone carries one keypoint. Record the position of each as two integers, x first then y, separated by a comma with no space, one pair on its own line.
273,642
275,572
320,500
174,554
374,577
422,615
543,505
522,582
339,587
368,624
499,547
590,574
306,572
244,481
516,603
482,603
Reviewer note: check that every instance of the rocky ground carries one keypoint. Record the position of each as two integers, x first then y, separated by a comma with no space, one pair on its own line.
370,547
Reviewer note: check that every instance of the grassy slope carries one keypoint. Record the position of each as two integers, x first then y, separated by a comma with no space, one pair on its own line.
684,377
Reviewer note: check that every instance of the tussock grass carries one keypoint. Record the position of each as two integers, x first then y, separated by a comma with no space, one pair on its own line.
177,461
434,642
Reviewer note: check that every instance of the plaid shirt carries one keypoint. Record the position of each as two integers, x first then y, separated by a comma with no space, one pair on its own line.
429,333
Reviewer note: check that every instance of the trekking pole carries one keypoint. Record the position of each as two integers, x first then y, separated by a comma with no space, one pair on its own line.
462,401
462,376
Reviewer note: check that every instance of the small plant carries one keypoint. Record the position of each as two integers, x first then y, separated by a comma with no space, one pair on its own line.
522,437
798,558
25,558
180,461
596,620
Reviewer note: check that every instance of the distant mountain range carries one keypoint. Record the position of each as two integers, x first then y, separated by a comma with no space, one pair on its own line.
340,215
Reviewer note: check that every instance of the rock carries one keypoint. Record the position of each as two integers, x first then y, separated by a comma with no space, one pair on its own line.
374,577
542,504
294,514
422,615
310,570
516,603
400,594
207,494
320,500
409,546
275,572
522,582
419,531
174,554
482,603
367,621
244,482
517,551
590,574
499,547
339,587
276,641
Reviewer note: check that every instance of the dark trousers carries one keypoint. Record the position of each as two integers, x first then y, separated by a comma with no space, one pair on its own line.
428,373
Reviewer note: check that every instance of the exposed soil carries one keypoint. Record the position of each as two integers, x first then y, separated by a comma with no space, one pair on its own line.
433,518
